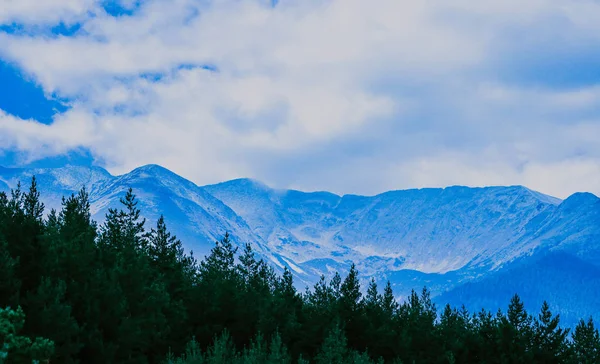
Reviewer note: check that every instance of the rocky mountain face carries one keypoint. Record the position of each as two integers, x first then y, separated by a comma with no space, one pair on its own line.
475,246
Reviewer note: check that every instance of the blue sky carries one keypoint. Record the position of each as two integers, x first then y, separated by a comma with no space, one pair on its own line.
342,95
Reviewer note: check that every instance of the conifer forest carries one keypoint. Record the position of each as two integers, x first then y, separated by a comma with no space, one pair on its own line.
125,291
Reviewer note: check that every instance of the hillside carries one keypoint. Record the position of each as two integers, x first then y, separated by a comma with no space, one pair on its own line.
448,239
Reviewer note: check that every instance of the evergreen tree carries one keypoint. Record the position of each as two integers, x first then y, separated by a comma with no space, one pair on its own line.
258,283
515,333
390,306
334,349
16,348
256,353
278,353
144,299
9,284
550,341
222,351
23,230
51,317
177,272
319,315
586,343
388,330
373,335
286,311
350,309
416,324
215,295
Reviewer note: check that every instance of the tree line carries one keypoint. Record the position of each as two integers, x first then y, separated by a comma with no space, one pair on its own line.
73,291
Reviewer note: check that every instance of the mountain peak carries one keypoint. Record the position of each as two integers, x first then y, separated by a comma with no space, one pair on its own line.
242,183
155,172
581,198
537,195
152,168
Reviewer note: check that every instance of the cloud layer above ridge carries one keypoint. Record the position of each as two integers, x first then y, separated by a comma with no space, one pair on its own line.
345,95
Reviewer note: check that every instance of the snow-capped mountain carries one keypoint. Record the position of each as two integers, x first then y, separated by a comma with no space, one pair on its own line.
468,245
428,230
197,217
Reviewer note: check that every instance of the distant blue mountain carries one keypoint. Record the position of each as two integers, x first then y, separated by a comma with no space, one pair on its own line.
570,285
476,246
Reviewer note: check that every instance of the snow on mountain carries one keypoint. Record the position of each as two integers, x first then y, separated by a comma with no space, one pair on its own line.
195,216
54,183
428,230
575,228
463,243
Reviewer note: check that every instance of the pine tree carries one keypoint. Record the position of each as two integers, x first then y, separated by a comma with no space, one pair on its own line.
485,331
9,284
323,296
515,333
278,353
350,310
334,349
374,320
32,205
373,299
192,355
252,289
50,316
350,292
222,351
286,310
453,330
390,306
125,252
417,327
215,296
23,230
16,348
319,314
586,343
335,286
388,330
257,353
550,341
177,272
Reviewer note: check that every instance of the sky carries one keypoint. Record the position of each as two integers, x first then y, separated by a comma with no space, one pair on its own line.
349,96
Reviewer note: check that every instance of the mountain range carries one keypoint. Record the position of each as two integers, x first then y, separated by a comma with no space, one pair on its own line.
471,246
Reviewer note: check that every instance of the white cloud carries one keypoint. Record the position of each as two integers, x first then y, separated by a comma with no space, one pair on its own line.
41,140
44,12
408,84
554,178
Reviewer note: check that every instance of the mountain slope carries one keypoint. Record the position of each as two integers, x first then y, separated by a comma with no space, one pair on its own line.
196,216
568,283
469,245
429,230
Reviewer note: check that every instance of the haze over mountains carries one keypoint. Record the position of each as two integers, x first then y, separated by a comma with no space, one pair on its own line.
476,246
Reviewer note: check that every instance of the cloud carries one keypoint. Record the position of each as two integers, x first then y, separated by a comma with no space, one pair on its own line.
44,12
346,95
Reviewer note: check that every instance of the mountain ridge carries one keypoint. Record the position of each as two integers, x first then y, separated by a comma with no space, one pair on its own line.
153,166
443,237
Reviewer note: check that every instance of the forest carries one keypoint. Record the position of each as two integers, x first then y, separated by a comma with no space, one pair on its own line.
74,291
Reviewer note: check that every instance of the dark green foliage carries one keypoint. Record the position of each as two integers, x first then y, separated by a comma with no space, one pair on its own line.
586,343
119,293
9,284
334,349
549,340
16,348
